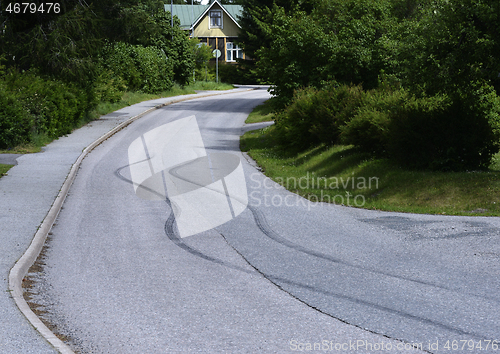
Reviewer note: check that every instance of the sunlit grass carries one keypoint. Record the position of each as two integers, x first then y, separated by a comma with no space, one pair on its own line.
210,86
343,175
4,169
261,113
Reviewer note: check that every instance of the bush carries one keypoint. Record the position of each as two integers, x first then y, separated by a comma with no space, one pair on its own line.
156,70
438,133
441,132
142,68
109,87
56,107
447,133
15,122
292,125
230,73
369,127
205,74
332,108
316,116
236,74
40,106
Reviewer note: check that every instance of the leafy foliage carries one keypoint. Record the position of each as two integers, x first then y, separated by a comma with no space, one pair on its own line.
318,115
68,45
369,127
446,133
235,74
142,68
257,17
33,105
426,74
287,62
150,26
202,54
437,132
455,43
60,65
15,122
339,40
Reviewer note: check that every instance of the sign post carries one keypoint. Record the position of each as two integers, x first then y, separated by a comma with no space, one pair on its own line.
217,55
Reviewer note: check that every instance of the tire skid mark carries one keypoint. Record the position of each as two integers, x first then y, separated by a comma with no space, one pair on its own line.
261,222
263,225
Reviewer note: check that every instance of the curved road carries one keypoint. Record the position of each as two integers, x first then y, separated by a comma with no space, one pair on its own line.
123,274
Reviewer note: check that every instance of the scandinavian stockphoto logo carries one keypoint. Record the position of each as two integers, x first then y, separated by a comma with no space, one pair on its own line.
205,189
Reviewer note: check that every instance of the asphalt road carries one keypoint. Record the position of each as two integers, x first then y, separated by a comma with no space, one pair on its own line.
124,274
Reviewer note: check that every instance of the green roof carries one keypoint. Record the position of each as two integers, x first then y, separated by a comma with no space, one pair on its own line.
189,14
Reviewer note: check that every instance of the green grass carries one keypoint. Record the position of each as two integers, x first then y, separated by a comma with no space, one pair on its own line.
39,141
210,86
261,113
4,169
128,99
343,175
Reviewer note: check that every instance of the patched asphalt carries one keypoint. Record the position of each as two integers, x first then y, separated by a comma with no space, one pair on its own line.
9,159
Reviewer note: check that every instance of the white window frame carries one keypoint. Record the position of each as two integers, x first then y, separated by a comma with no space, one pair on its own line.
232,50
221,17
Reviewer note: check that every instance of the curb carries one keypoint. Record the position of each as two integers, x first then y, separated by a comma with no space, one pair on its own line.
20,269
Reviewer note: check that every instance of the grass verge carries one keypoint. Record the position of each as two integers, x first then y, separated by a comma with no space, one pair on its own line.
343,175
4,169
210,86
128,99
261,113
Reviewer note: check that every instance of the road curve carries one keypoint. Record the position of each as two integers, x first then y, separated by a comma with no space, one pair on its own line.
281,275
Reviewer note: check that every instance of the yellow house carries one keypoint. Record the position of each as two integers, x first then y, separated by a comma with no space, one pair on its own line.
214,24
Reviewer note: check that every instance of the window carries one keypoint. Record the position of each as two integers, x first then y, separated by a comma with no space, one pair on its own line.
215,19
233,52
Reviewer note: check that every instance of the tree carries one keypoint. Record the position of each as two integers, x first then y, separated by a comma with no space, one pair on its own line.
66,45
60,44
456,44
257,16
339,40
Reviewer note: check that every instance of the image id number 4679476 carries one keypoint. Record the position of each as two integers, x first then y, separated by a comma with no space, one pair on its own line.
31,7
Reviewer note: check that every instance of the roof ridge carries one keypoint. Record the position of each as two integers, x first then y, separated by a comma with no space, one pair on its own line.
185,12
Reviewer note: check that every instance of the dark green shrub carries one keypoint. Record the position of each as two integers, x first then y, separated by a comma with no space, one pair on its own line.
332,107
438,133
205,74
230,73
54,107
236,74
109,87
118,58
156,70
316,116
15,122
443,133
369,127
367,130
292,125
142,68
